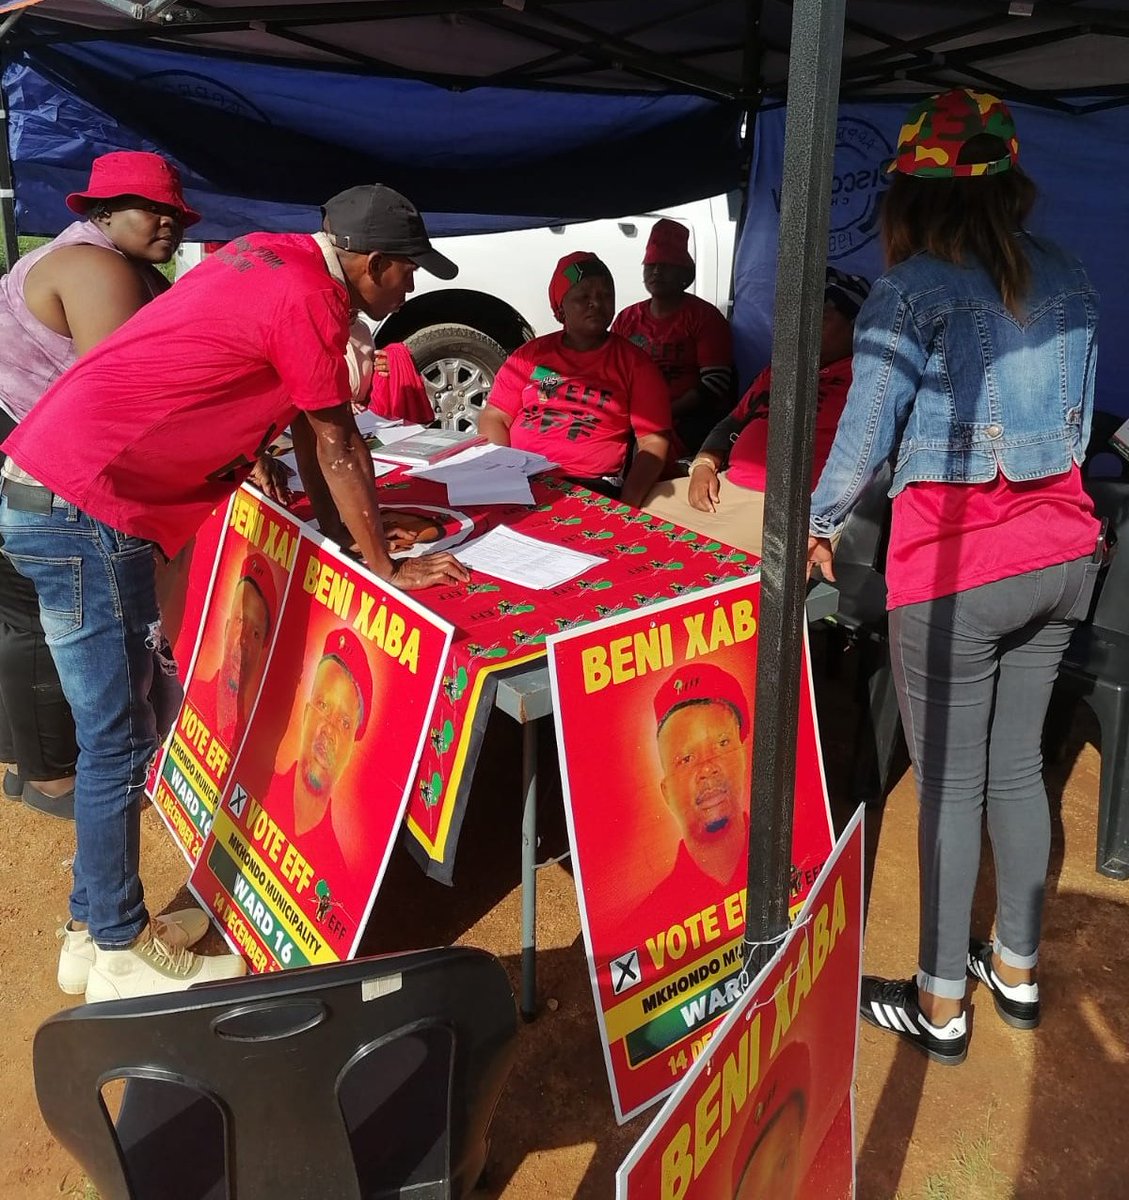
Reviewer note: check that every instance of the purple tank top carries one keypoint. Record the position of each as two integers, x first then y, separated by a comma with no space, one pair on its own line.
32,356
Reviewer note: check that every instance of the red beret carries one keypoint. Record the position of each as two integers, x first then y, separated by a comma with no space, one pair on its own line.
669,243
581,264
344,647
256,571
702,683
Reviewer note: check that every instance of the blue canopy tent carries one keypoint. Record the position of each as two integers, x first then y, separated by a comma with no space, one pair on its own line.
585,105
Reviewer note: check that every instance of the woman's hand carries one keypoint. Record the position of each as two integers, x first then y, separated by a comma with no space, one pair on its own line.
705,488
820,555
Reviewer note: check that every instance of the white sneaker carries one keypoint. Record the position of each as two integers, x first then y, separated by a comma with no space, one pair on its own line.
183,928
151,966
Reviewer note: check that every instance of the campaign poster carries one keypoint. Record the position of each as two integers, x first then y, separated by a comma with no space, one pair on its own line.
655,732
316,796
766,1112
238,626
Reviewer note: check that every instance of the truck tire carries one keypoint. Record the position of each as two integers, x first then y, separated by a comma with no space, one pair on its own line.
457,365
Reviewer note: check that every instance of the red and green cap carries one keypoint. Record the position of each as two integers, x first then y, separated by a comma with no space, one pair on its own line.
936,130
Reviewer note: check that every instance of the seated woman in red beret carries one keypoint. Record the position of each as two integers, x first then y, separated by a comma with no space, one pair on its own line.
585,398
687,338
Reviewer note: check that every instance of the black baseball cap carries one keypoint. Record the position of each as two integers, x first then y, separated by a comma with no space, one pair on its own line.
372,217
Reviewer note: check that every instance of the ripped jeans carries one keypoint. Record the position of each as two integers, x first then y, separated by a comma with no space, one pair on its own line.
98,604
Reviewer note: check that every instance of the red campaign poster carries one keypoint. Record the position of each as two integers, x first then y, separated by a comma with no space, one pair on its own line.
301,841
238,624
766,1112
654,727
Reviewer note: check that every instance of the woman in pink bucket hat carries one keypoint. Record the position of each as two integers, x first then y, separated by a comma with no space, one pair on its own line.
55,304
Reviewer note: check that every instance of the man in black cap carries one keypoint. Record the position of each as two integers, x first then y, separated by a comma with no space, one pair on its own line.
134,447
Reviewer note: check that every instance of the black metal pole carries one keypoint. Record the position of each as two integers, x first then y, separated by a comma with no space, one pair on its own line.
809,144
7,187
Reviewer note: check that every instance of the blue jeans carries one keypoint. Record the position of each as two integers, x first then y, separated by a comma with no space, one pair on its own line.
974,673
98,604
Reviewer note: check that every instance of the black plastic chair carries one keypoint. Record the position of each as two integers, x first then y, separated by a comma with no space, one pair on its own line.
372,1078
1096,669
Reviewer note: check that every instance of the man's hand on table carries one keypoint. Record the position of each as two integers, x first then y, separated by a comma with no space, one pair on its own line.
415,574
272,478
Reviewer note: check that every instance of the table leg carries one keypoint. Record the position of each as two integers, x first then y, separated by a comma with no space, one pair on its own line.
529,871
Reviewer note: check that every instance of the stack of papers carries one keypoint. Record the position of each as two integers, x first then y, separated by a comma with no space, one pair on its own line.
485,474
509,555
423,446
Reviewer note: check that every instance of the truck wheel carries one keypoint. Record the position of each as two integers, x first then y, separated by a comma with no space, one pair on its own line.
457,365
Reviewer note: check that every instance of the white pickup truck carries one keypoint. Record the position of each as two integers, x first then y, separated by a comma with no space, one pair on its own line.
460,332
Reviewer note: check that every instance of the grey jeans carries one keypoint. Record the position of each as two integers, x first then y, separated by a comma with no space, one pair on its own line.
974,673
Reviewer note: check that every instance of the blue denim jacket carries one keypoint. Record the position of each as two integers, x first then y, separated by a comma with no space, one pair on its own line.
954,388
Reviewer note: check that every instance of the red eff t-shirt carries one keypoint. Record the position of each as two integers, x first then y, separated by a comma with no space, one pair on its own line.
577,407
683,344
159,423
748,459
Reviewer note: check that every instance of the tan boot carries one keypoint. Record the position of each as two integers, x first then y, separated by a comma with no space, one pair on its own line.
151,966
183,928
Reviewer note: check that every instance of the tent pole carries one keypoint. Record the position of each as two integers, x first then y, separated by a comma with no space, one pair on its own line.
813,88
7,188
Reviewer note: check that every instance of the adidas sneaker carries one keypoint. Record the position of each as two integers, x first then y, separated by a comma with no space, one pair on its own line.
1017,1005
892,1004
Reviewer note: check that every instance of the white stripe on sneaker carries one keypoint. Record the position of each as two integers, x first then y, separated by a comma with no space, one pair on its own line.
1023,993
905,1020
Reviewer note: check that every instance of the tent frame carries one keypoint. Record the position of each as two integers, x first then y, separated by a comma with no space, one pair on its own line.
816,74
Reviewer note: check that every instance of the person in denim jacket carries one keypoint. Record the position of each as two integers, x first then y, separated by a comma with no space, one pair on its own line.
974,360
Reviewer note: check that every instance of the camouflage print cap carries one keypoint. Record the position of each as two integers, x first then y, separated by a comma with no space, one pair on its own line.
937,129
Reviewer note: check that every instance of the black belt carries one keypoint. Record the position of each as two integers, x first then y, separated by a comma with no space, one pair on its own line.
27,497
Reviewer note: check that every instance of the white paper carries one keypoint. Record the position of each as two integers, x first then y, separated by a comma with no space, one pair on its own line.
508,486
483,457
391,434
370,423
512,556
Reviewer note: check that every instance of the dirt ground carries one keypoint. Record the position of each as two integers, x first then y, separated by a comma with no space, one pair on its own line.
1034,1116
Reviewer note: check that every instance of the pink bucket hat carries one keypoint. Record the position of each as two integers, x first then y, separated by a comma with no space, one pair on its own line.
132,173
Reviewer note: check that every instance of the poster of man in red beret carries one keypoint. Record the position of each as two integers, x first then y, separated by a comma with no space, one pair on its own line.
654,728
240,620
300,844
765,1113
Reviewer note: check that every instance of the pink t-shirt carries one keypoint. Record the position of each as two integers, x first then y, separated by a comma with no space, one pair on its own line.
681,345
577,407
159,423
748,457
949,537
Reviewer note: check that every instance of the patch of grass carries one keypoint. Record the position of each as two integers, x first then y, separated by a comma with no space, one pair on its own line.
77,1187
973,1174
